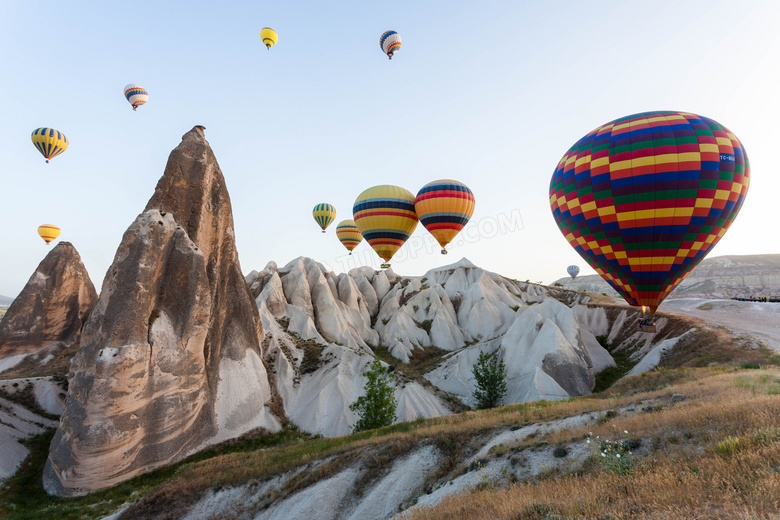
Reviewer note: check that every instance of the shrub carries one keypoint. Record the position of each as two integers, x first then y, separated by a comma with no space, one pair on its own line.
727,446
560,452
377,407
491,381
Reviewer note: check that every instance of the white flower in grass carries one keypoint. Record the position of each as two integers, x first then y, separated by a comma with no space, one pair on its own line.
603,454
625,431
588,441
618,455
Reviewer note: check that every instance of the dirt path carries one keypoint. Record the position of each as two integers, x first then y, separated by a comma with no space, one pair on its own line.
758,320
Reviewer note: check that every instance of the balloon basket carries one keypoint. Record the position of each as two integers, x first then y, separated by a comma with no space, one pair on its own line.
443,251
646,327
323,231
385,266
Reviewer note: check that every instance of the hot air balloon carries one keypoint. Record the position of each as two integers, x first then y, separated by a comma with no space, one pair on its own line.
386,218
49,142
349,235
48,232
136,95
390,42
644,198
444,207
573,271
269,37
324,214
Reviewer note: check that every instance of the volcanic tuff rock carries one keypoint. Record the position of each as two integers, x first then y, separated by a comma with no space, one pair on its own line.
50,310
322,330
170,358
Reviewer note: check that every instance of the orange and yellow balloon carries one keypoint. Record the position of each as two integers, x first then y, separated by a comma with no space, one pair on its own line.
385,217
444,207
348,234
48,232
49,142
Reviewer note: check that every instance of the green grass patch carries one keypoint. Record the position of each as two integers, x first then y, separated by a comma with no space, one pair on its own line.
23,496
607,377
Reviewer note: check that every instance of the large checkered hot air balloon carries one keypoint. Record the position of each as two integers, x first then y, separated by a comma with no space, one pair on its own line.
386,218
444,207
644,198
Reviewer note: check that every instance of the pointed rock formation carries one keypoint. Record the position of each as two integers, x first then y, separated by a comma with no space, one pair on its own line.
51,309
170,358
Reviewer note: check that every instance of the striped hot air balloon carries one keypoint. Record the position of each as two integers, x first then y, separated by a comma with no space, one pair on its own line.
386,218
269,37
573,271
390,42
324,214
48,232
136,95
644,198
349,235
444,207
49,142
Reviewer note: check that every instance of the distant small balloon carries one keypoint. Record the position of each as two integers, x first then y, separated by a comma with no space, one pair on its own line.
136,95
48,232
390,42
269,37
348,234
49,142
573,271
324,214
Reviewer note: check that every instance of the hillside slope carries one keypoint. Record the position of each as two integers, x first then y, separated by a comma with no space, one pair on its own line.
717,277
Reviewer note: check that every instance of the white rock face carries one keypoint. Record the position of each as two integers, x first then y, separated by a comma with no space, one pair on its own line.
17,423
322,330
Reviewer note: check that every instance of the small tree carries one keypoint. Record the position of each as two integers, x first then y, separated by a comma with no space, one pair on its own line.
491,381
377,407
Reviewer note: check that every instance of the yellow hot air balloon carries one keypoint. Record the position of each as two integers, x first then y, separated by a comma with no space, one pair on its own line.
348,234
269,37
444,207
49,142
386,218
324,214
48,232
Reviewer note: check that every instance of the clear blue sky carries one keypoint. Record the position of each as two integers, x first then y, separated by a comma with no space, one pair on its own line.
490,93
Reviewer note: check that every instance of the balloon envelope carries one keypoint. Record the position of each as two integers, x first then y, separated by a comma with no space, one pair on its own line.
269,37
444,207
324,214
573,271
136,95
49,142
385,217
645,197
48,232
390,42
348,234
